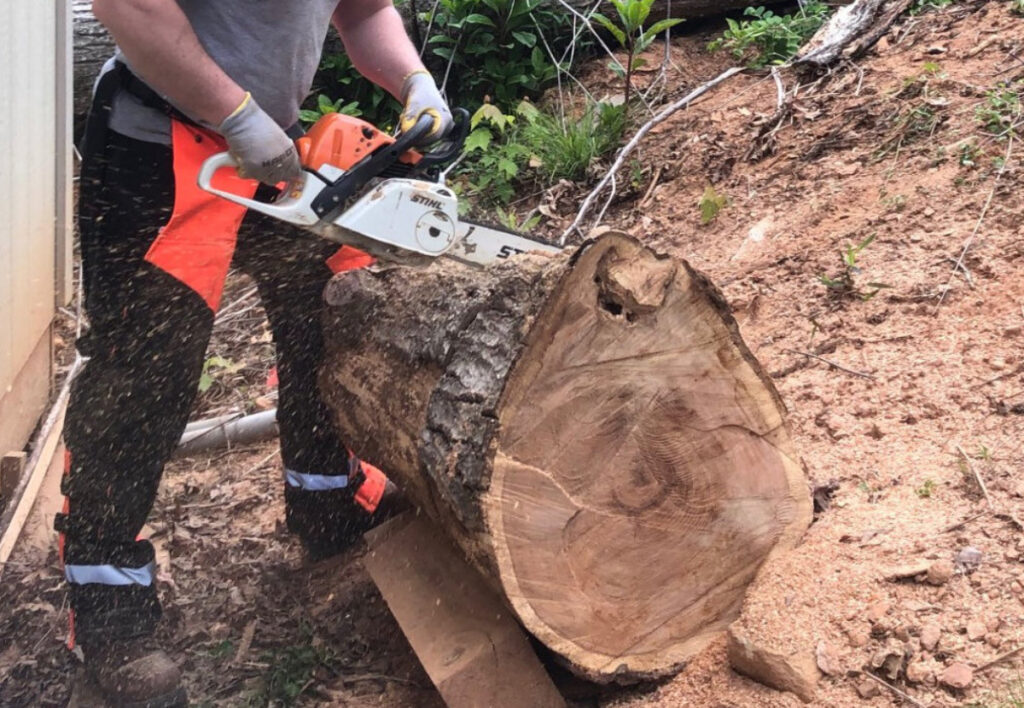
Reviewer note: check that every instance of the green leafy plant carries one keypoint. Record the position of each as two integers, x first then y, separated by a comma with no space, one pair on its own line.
774,39
342,89
845,284
505,150
1000,113
970,153
495,48
566,150
324,106
510,220
214,368
629,32
494,155
921,6
710,204
926,489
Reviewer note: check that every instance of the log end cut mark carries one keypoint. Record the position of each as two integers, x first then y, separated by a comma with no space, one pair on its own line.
642,471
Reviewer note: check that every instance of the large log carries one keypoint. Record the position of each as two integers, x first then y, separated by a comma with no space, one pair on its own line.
590,430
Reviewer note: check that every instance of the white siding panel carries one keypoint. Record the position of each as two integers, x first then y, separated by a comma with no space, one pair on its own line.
33,67
29,32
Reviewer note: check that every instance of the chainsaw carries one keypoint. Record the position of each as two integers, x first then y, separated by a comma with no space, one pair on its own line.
364,188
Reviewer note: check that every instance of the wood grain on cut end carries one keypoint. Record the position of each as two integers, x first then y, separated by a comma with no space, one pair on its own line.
642,471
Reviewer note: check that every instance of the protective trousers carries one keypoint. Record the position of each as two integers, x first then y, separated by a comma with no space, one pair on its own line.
155,251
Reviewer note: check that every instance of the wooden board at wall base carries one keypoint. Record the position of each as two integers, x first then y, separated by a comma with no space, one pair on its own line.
467,640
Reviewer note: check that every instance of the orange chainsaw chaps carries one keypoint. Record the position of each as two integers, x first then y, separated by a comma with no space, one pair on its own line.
349,258
198,242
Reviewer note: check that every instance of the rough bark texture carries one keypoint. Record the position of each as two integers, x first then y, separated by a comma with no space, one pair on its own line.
590,430
93,46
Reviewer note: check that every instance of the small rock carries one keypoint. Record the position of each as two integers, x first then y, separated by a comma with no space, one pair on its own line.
910,570
968,559
902,633
1012,331
958,675
940,572
868,689
994,640
928,212
888,660
919,672
994,623
878,610
930,635
884,627
858,636
794,672
976,630
826,659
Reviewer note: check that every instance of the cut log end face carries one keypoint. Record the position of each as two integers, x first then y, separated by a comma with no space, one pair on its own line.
641,471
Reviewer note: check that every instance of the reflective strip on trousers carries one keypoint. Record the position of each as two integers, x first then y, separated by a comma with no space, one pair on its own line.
315,482
110,574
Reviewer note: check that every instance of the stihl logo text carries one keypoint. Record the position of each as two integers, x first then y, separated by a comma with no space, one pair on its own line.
427,201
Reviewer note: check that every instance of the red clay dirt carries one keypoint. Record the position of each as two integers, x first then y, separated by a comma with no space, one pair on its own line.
932,366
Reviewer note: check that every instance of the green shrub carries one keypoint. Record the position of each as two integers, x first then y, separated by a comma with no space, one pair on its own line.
507,151
342,89
496,48
775,39
566,151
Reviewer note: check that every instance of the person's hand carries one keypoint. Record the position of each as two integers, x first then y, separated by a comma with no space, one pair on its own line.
421,97
260,147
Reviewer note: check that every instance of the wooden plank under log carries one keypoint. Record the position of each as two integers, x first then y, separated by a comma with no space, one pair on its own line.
467,640
590,431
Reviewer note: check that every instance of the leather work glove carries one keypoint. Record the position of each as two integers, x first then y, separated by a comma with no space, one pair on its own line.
420,96
259,145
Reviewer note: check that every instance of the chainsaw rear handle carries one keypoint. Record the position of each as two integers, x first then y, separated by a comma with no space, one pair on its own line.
292,206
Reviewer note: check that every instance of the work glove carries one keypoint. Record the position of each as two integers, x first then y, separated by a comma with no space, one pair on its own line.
260,147
421,97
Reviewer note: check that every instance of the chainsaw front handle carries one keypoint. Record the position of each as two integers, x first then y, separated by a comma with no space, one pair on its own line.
293,206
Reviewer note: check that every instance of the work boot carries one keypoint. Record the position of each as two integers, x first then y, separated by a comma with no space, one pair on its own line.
135,673
333,521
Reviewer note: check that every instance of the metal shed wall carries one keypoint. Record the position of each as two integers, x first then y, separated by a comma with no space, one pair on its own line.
35,167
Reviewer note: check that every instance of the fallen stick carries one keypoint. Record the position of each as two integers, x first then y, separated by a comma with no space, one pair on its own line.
831,363
977,476
631,145
999,659
910,699
981,218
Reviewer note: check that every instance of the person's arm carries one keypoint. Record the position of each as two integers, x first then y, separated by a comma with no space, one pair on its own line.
376,42
161,46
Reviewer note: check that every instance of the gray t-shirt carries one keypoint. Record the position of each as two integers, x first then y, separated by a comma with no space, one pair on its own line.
271,48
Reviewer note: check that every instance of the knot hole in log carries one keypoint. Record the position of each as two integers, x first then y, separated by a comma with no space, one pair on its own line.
633,285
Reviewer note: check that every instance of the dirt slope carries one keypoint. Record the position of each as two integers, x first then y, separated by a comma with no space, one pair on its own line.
873,150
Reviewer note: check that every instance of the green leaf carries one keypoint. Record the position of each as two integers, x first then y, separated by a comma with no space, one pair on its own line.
659,27
710,203
507,167
479,139
490,112
477,19
526,39
619,35
205,382
308,116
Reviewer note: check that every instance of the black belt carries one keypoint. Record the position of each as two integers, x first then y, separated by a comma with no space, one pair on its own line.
138,88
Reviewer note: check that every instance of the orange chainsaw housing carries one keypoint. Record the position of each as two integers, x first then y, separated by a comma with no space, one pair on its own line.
342,141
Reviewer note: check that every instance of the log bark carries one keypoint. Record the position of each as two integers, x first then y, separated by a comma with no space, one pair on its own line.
590,430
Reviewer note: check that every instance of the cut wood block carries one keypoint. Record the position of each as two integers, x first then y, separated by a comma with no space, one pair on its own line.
467,640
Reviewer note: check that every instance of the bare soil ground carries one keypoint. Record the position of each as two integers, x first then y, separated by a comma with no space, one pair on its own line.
899,403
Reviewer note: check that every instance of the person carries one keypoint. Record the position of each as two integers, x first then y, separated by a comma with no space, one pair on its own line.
192,78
